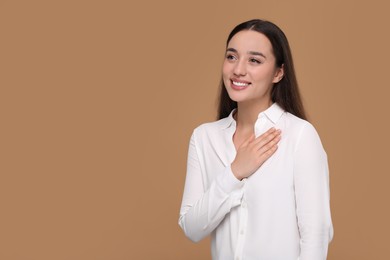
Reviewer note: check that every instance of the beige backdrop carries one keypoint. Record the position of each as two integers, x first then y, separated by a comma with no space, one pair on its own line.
98,100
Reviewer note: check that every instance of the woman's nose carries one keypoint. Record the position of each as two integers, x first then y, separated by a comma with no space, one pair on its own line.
240,68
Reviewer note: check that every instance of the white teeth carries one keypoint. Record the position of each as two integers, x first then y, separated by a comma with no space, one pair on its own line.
240,84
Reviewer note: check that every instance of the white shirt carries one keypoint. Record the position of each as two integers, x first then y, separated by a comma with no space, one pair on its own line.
281,212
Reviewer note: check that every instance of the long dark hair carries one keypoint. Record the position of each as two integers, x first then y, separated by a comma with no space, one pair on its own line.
285,92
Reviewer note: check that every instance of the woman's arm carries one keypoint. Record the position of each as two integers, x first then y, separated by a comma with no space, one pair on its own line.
311,183
202,210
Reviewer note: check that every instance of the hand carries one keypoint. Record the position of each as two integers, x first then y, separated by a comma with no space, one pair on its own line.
253,152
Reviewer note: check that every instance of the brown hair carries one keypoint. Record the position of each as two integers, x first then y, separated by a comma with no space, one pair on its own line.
285,92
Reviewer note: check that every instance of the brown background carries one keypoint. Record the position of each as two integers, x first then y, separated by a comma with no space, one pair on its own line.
98,100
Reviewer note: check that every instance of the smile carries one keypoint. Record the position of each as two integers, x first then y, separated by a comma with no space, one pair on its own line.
239,85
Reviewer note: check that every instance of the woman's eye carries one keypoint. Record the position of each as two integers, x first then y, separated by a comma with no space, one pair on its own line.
230,57
255,61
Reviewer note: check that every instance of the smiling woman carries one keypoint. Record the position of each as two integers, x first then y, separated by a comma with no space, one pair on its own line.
257,179
250,66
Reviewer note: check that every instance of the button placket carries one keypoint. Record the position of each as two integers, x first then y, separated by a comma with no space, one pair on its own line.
242,228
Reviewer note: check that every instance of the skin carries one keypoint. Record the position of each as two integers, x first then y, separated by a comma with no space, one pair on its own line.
249,72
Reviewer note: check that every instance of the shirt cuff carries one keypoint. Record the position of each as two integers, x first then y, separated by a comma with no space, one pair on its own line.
228,182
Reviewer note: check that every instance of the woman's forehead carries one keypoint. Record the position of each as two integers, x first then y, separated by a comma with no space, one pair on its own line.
248,40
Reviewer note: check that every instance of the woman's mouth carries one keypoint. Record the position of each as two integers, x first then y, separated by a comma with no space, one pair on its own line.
239,85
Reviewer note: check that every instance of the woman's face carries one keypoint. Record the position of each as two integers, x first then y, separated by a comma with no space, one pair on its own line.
249,69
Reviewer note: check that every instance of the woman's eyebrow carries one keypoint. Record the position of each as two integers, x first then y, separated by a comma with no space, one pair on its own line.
257,53
249,52
232,50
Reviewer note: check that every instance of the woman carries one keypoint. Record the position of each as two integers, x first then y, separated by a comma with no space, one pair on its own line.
257,179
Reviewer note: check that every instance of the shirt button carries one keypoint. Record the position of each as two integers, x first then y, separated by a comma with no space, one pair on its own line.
242,232
243,205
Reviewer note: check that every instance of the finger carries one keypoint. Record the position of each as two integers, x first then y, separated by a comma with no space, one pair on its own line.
265,134
270,145
263,147
249,140
266,138
269,131
267,154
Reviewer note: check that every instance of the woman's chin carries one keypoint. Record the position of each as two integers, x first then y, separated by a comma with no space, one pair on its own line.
238,98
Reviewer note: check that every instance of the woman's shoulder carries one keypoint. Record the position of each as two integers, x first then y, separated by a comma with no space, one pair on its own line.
296,122
301,129
214,127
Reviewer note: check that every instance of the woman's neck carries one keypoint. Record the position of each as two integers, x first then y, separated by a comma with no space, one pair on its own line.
247,112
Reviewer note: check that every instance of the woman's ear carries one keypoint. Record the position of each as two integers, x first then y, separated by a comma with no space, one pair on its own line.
279,74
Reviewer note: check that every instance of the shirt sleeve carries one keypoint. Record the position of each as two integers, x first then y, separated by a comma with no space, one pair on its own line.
311,183
203,209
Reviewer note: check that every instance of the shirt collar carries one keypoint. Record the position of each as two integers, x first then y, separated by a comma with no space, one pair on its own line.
229,120
273,113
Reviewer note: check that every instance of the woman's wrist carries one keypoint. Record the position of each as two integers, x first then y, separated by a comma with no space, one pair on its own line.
236,172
